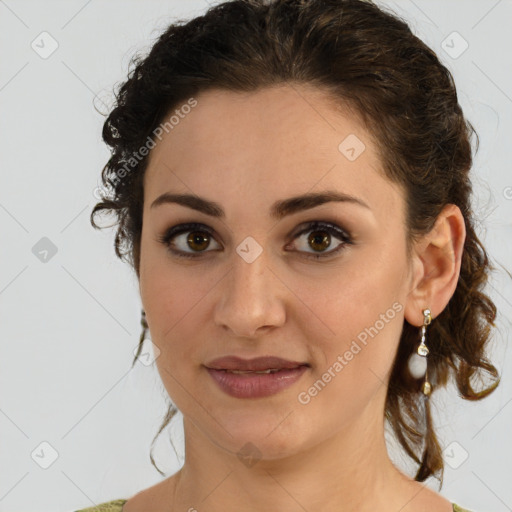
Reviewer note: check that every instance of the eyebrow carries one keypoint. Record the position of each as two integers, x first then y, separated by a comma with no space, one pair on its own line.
278,210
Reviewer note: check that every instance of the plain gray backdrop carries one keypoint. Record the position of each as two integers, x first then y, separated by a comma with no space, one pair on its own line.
76,422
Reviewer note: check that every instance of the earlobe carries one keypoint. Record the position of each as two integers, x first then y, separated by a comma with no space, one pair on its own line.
436,262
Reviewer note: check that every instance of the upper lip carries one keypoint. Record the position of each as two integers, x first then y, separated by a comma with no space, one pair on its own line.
256,364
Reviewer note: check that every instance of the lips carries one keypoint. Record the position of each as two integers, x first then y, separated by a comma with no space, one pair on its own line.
268,364
255,378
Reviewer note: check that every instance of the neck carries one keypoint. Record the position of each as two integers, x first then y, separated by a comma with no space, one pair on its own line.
347,471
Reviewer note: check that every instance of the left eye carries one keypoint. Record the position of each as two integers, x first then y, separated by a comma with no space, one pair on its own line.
199,236
319,236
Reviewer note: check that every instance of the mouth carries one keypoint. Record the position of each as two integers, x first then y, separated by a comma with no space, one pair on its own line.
265,365
255,378
241,372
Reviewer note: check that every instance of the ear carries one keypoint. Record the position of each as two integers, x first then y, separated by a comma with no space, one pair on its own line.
436,266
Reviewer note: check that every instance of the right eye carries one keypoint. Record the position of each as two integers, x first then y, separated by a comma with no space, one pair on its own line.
192,235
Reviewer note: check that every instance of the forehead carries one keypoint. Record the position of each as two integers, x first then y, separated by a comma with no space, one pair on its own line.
262,146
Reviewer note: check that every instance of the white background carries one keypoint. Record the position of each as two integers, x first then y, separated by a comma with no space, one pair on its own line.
69,326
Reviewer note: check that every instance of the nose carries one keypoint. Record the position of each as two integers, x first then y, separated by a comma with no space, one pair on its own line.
251,298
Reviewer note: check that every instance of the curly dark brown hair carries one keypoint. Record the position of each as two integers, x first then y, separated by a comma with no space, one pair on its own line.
366,57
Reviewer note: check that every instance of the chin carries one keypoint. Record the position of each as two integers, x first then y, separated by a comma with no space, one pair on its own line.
251,451
263,439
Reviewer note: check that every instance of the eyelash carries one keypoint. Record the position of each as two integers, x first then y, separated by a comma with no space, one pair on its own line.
332,229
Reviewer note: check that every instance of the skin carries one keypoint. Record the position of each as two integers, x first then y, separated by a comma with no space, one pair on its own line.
245,151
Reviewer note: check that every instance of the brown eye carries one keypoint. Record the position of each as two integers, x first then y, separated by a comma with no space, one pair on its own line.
188,240
198,241
320,240
193,240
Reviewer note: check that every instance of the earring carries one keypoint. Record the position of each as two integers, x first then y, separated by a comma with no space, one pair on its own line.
142,337
418,360
143,320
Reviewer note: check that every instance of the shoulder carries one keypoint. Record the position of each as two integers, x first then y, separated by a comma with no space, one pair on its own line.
155,498
456,508
108,506
152,498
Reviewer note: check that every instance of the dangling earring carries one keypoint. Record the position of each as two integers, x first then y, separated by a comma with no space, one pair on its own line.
143,334
418,360
143,320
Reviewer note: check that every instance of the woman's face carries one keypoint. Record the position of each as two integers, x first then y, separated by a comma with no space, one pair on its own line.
253,286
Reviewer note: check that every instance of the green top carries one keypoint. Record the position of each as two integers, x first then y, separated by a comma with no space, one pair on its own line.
117,506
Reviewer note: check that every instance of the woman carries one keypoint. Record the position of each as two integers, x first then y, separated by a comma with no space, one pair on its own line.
291,185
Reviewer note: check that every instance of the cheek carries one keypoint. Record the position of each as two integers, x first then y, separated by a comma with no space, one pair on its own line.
161,297
361,316
166,292
174,298
353,364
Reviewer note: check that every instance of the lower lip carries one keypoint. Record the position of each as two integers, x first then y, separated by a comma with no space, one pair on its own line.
256,385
